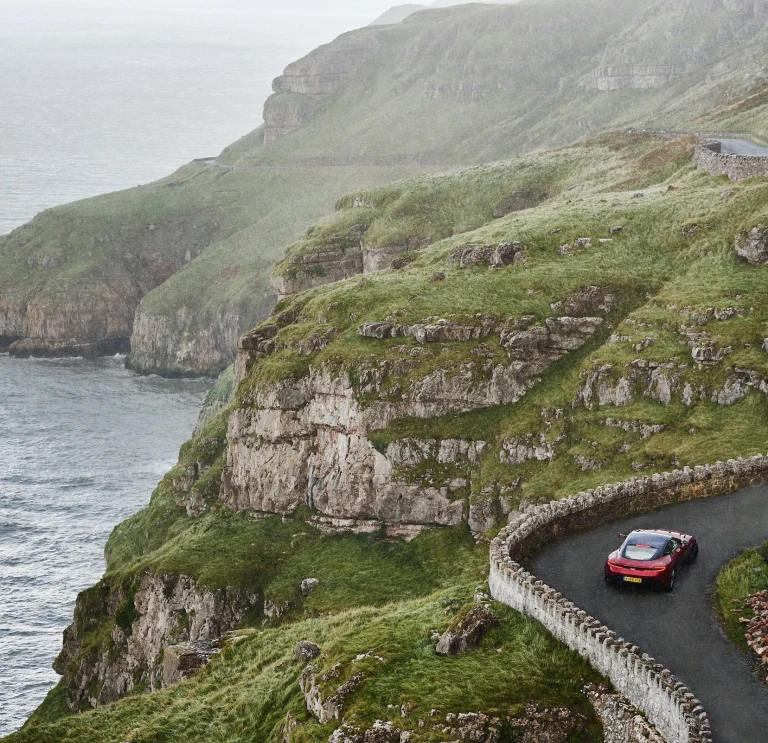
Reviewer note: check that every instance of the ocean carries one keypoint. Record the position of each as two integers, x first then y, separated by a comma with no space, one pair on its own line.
95,97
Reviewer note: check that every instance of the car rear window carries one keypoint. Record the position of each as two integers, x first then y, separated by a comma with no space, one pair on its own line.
644,546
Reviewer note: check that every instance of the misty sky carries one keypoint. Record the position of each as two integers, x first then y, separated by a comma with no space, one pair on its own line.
347,8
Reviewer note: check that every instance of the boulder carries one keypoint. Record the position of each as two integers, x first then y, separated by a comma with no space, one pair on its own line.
497,256
467,631
378,330
589,300
308,585
306,650
182,661
753,245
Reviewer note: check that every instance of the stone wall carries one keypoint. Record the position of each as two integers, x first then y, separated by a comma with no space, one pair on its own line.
737,167
622,722
667,703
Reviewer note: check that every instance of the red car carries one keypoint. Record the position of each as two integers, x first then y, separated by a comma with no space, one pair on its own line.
651,556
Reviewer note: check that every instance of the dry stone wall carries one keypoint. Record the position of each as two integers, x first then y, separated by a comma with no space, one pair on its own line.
708,156
650,687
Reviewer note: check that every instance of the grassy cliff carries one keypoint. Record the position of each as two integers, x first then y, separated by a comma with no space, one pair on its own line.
628,224
677,284
448,87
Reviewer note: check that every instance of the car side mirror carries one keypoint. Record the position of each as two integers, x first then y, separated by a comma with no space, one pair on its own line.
622,536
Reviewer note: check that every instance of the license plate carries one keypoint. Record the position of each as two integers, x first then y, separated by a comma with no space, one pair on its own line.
632,580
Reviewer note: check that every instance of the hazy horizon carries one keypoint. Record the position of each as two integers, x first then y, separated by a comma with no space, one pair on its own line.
344,8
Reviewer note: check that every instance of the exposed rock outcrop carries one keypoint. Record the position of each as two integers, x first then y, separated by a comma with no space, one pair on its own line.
326,707
635,76
662,381
532,725
305,84
340,258
54,314
467,631
305,442
184,660
522,448
146,615
752,245
164,345
494,256
435,331
590,300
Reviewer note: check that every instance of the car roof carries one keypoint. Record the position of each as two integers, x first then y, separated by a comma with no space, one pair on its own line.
664,532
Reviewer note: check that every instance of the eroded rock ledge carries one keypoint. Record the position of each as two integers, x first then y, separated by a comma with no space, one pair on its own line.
305,442
120,632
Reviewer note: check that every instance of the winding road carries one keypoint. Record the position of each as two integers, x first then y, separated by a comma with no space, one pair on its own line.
678,629
742,147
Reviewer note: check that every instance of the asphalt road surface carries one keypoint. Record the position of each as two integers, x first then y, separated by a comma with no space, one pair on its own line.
743,147
678,629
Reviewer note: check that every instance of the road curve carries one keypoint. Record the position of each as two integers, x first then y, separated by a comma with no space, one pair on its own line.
679,629
742,147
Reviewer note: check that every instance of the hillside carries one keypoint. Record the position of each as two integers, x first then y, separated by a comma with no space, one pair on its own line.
447,87
397,14
383,426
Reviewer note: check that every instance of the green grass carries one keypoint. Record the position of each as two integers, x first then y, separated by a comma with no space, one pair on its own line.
660,273
245,694
742,577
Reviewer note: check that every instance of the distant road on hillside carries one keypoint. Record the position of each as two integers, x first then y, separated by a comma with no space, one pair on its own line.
742,147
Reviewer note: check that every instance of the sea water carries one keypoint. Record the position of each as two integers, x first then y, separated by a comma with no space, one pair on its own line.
94,97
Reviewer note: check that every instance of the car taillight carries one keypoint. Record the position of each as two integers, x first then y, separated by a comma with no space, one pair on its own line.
614,564
659,568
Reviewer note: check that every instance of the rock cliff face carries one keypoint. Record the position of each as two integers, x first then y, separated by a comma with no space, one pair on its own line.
96,322
305,442
305,84
320,267
143,618
619,76
634,64
62,310
160,345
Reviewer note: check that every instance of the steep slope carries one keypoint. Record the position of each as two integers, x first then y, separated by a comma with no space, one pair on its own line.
465,93
612,330
586,354
396,14
191,323
446,87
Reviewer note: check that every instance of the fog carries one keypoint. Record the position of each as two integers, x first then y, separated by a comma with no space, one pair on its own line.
340,8
345,8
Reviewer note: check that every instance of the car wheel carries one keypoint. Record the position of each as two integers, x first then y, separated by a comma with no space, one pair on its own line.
670,585
694,553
